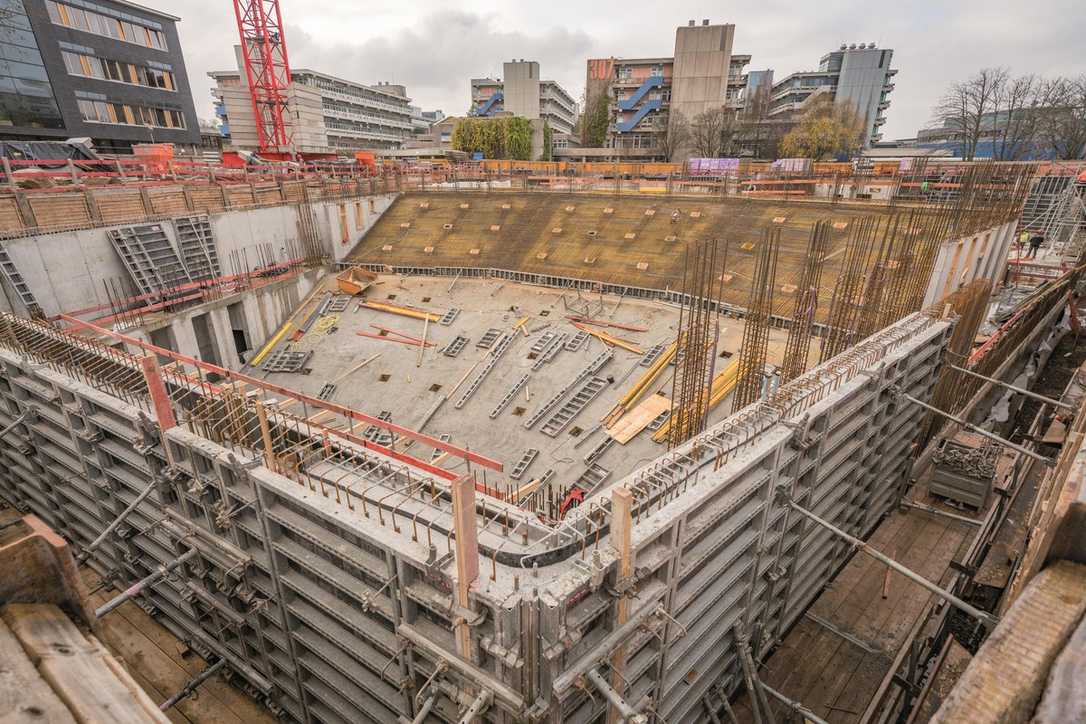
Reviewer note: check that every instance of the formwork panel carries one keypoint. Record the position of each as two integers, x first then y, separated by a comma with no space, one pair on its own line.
328,586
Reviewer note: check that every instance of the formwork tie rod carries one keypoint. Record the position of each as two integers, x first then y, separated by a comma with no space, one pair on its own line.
981,431
807,714
114,525
193,684
627,712
988,619
14,423
149,580
1020,390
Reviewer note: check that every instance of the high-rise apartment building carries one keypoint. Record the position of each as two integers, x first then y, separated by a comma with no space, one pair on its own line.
644,95
107,70
857,75
328,114
521,92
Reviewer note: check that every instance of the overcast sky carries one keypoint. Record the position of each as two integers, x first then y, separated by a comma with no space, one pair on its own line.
434,49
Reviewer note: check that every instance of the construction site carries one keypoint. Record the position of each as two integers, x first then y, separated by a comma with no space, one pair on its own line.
463,445
301,433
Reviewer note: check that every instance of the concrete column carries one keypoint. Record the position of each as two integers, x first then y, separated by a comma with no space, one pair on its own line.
621,522
184,336
467,556
160,398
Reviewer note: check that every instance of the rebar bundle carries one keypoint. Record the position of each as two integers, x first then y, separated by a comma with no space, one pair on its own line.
697,338
798,347
847,303
752,353
968,304
308,233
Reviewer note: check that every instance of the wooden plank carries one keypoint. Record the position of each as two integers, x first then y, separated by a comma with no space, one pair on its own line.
868,607
24,695
637,419
79,670
144,644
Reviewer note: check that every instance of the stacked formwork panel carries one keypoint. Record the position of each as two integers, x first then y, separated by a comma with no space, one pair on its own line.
328,587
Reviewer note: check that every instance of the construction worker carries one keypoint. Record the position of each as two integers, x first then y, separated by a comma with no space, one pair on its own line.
1035,242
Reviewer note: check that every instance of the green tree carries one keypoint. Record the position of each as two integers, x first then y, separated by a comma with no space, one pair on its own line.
548,142
597,118
826,130
505,137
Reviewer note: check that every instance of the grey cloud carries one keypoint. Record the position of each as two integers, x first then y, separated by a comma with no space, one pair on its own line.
436,57
434,51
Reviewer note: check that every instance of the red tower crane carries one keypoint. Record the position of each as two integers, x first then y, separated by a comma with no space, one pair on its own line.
267,70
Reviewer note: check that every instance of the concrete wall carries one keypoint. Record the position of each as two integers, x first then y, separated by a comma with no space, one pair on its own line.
359,214
66,270
264,311
700,75
521,89
979,256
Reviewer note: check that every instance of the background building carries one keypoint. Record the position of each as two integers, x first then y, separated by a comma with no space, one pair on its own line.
522,93
107,70
642,93
422,120
328,114
857,75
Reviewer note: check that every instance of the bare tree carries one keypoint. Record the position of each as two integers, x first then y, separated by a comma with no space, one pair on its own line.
713,132
1015,100
755,129
675,137
1061,117
966,106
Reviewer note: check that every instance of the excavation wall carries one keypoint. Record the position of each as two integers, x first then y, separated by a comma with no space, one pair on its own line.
67,269
636,241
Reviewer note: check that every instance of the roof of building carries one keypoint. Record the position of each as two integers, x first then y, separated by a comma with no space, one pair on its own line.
145,9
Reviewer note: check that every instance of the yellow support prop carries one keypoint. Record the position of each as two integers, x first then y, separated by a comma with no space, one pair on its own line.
722,385
639,388
271,344
402,311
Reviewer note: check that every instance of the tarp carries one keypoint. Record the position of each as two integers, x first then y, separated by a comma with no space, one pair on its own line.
49,154
712,166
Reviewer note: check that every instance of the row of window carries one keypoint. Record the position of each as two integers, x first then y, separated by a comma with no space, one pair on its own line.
363,127
131,115
92,22
104,69
363,93
339,107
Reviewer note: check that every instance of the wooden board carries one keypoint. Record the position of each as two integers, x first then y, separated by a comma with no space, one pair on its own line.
87,679
162,664
638,418
22,690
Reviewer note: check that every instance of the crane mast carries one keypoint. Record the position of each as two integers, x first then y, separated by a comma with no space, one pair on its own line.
267,71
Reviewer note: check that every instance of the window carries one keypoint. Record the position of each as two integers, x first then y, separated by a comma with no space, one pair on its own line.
26,97
106,22
93,67
101,111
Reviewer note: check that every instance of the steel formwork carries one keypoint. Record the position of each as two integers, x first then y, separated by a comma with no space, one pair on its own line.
325,570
